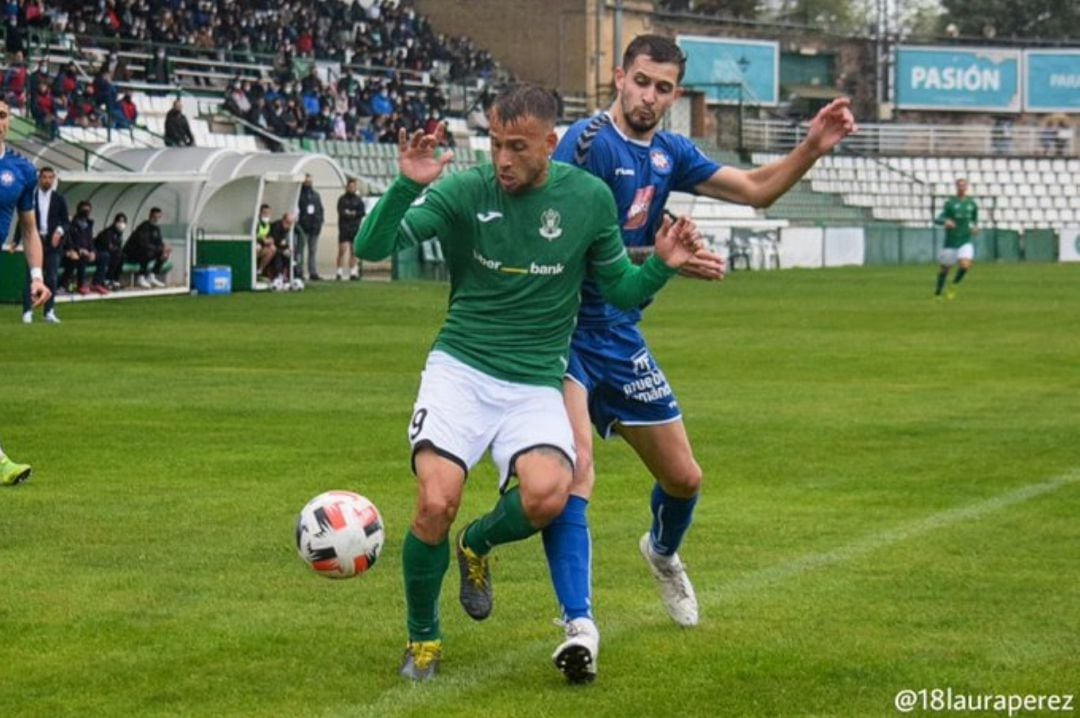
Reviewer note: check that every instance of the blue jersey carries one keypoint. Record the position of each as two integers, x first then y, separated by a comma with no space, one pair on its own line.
641,176
18,178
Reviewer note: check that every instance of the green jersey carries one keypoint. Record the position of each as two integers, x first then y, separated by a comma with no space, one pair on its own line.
516,263
965,214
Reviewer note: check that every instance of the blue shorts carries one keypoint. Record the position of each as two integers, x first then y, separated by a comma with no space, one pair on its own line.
624,382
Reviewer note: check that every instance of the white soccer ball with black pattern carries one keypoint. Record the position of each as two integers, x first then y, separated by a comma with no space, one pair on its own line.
339,534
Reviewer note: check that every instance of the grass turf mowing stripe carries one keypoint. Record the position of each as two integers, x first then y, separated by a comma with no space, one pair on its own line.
408,696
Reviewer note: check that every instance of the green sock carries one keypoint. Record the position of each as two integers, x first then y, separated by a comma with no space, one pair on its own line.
503,524
959,275
424,566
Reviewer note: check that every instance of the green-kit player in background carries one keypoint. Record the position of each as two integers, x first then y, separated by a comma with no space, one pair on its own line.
519,236
960,216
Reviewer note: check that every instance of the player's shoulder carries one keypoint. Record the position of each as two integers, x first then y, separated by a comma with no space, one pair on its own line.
15,162
580,180
679,146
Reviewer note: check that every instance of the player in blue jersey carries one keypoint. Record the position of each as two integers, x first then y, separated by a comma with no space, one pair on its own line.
612,380
18,180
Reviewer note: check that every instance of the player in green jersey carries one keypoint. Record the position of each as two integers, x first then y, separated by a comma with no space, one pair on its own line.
960,216
519,236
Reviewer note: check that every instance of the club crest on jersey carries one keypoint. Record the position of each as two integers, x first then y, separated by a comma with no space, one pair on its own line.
549,225
638,213
661,161
7,178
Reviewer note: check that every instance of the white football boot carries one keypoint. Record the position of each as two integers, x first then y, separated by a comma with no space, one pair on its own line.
576,656
676,591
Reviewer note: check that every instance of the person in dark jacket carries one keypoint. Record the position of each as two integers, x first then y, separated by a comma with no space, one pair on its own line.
177,129
51,217
79,251
109,244
350,212
146,246
311,222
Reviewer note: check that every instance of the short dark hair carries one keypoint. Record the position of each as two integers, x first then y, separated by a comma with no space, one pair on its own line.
119,216
156,210
46,168
658,48
526,100
263,206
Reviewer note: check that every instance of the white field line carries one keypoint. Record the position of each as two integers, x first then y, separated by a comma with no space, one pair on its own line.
407,697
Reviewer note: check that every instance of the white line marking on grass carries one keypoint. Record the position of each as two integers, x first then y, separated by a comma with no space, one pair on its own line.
407,697
944,519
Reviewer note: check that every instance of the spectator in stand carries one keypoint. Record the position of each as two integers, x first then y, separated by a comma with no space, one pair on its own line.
67,81
109,244
351,211
146,246
105,94
79,252
43,110
311,222
16,78
159,68
40,76
128,111
177,129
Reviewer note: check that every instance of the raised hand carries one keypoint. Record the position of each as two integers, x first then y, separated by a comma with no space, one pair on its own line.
831,125
679,243
417,157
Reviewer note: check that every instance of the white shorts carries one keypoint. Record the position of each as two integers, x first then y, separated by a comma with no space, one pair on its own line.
948,257
461,413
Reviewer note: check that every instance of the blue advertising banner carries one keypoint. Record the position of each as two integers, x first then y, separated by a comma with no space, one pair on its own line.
951,78
723,68
1052,80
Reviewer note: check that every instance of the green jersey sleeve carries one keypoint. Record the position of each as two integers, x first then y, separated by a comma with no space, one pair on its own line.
405,216
621,282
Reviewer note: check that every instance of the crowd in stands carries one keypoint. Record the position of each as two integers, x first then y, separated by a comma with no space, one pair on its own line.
388,39
349,109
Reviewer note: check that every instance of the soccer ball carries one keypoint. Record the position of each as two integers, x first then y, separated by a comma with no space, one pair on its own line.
339,534
297,285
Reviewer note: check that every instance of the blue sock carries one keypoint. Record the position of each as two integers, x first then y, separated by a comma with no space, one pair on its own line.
568,547
671,519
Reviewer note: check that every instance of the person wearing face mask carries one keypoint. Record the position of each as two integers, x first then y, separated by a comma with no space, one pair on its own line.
79,251
146,246
109,244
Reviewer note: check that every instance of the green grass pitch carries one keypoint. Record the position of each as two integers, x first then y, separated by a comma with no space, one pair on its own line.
891,501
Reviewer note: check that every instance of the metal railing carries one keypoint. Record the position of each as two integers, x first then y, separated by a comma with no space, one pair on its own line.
923,140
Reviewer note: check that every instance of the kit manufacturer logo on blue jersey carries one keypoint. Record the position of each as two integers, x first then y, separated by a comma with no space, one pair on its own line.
7,178
661,161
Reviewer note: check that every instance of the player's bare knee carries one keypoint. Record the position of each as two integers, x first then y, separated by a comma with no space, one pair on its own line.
435,513
544,504
546,474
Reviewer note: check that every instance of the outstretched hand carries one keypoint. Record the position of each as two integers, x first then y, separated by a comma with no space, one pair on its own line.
417,156
831,125
679,243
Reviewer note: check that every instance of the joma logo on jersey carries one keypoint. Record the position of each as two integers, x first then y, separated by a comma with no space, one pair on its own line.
639,208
